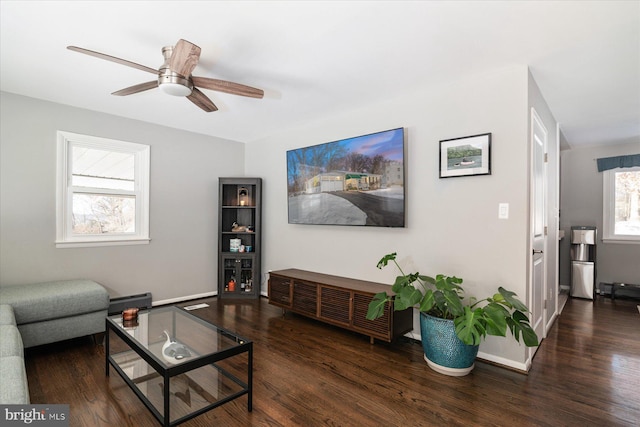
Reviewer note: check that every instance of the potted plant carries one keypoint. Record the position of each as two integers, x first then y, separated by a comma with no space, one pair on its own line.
452,326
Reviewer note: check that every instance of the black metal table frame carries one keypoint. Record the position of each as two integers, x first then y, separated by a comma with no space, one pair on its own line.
246,346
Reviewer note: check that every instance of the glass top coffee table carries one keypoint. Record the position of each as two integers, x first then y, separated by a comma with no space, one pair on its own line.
179,365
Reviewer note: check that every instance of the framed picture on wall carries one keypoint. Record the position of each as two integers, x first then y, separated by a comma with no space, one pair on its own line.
468,155
353,181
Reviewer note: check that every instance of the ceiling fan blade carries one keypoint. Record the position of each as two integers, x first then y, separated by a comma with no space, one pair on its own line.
228,87
184,58
137,88
201,100
112,59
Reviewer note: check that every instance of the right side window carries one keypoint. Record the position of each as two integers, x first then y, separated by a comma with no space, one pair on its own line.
621,201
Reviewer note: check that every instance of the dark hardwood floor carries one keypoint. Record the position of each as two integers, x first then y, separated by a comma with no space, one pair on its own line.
586,373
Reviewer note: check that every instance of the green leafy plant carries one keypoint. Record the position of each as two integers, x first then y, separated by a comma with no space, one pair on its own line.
443,297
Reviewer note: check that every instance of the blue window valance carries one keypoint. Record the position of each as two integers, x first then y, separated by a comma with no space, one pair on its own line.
629,161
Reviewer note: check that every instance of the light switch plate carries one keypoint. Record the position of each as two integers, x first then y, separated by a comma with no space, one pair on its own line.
503,210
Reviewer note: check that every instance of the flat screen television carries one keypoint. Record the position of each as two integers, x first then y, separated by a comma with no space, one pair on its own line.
355,181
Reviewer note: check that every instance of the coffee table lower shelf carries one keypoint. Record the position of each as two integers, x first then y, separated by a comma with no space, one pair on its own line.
181,392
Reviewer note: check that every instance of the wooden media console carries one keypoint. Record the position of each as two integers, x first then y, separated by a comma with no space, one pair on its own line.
339,301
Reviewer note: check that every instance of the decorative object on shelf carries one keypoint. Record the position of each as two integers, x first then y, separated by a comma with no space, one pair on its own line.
234,245
469,155
466,323
172,351
243,196
239,228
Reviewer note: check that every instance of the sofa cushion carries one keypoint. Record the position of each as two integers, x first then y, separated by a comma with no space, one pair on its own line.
14,387
10,341
49,331
54,300
6,315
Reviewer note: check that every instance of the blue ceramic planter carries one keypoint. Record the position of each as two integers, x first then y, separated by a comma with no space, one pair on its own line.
443,350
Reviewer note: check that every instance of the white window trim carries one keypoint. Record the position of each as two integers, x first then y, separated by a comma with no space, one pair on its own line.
608,209
64,192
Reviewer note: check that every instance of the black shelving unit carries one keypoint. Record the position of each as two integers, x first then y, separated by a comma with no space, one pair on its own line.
239,237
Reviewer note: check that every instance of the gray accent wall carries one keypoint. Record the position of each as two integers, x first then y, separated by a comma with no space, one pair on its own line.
581,204
181,259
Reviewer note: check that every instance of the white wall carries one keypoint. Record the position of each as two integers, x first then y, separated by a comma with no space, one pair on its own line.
452,224
581,187
181,259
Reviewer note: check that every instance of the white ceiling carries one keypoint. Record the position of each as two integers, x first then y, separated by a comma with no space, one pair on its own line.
317,58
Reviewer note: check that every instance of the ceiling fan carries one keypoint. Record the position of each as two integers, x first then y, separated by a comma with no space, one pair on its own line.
174,76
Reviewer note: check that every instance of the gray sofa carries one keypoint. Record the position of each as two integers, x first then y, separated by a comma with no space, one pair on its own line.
43,313
13,387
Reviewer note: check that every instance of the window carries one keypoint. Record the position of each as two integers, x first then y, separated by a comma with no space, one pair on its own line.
102,192
621,200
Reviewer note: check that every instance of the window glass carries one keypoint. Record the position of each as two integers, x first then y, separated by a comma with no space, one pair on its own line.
621,200
627,203
102,191
102,168
102,214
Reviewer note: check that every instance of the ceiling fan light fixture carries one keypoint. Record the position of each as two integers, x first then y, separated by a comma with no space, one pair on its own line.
175,89
174,84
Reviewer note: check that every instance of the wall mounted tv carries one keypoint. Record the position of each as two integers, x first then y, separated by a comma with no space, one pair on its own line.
354,181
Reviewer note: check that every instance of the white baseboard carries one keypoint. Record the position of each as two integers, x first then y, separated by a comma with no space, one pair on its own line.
190,297
414,335
518,366
185,298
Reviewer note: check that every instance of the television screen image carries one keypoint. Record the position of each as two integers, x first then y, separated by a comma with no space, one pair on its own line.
354,181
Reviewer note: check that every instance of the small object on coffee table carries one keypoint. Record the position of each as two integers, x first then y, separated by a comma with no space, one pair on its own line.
130,314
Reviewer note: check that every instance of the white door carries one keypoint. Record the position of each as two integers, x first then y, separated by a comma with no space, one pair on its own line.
538,224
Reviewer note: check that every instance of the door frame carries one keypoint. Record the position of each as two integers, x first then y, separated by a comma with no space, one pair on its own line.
536,122
553,289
